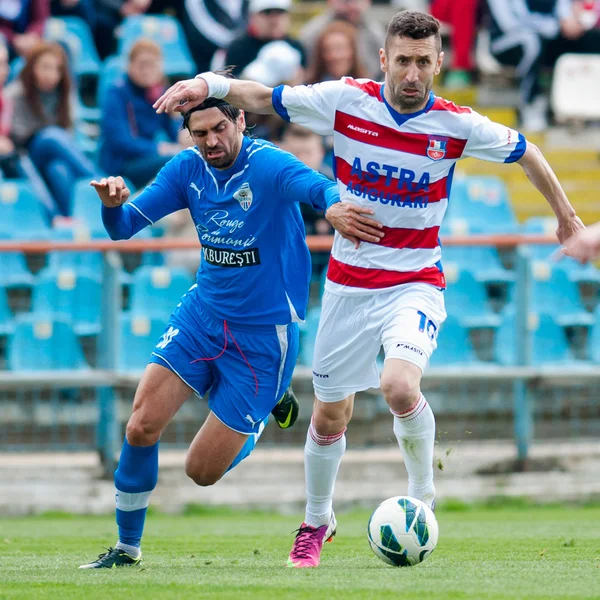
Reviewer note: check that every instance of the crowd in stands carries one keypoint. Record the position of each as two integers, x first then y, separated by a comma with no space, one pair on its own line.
47,110
78,79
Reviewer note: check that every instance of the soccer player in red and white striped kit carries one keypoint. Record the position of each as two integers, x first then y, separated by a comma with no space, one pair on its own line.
396,146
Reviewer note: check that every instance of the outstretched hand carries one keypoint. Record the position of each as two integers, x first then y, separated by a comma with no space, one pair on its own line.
584,245
349,220
112,191
182,96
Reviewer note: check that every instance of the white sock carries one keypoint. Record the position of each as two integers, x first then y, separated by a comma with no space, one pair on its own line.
322,458
415,431
133,551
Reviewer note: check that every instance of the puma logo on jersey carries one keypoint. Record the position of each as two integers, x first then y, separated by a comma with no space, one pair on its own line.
195,188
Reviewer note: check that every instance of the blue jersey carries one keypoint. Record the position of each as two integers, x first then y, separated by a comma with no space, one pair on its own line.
255,264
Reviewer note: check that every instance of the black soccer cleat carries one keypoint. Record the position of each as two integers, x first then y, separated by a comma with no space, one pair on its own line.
112,559
286,410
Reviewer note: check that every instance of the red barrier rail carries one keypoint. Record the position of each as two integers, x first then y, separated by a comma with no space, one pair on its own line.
315,242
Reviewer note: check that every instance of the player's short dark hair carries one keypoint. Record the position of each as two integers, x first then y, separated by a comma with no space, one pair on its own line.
414,24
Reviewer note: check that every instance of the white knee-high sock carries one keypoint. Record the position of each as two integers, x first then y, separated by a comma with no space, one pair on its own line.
415,431
322,458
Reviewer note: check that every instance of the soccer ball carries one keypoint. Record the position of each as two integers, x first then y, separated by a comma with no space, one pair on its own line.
403,531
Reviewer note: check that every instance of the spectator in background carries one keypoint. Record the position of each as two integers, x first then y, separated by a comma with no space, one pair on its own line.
210,26
108,15
335,54
532,36
269,21
42,122
9,160
129,125
84,9
371,34
462,17
22,24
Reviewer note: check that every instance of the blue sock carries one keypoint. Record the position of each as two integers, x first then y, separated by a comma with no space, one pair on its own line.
135,478
248,446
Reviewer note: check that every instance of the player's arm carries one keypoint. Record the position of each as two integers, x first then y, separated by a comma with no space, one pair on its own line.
497,143
311,106
247,95
544,179
584,245
123,219
299,183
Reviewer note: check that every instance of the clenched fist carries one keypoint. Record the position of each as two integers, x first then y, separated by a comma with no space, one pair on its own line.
112,191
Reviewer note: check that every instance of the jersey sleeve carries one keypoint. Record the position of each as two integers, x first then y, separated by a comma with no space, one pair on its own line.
162,197
298,183
312,106
493,142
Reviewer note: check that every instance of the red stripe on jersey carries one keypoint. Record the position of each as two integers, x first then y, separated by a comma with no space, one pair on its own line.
396,237
441,104
386,185
374,134
370,87
374,279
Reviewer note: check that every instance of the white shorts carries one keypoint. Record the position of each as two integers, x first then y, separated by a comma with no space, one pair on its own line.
352,329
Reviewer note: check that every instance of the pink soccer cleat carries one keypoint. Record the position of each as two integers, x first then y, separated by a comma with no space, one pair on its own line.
306,551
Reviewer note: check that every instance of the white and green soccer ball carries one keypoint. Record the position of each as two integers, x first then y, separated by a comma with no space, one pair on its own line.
403,531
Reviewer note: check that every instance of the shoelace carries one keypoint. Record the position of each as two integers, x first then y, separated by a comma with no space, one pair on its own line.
108,551
305,541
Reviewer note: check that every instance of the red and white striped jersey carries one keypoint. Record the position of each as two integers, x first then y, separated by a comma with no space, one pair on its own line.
401,166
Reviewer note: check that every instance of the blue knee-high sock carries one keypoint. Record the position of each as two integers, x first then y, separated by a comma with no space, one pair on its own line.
135,478
248,446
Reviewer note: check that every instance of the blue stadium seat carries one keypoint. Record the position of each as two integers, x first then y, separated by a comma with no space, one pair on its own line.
308,335
480,205
112,70
483,262
7,324
39,344
167,33
549,342
139,335
13,268
87,208
76,298
21,212
90,264
156,291
75,34
542,225
466,299
547,252
553,293
454,345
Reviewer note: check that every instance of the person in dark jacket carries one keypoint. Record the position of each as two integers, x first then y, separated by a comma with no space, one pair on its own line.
130,127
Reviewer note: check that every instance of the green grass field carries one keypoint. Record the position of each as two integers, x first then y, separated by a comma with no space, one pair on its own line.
494,552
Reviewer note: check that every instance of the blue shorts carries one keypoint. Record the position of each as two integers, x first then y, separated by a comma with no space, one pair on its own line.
247,368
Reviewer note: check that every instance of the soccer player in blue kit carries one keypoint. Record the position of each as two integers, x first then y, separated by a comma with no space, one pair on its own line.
235,331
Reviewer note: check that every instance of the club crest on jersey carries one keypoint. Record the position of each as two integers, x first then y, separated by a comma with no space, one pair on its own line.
436,149
244,196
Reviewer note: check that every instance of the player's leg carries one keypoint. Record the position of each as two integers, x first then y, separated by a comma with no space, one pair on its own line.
172,375
251,374
344,363
409,339
216,449
159,396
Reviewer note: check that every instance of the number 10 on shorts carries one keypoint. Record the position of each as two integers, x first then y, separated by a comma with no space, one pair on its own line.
427,325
